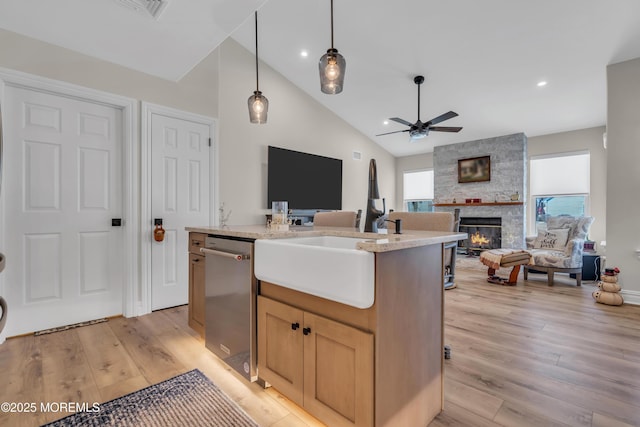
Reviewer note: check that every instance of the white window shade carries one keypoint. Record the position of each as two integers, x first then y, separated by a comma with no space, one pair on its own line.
418,185
567,174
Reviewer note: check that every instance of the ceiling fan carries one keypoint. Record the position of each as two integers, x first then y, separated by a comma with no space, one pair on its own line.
419,129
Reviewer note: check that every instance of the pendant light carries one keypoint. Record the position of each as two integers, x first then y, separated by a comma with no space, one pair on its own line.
332,67
258,103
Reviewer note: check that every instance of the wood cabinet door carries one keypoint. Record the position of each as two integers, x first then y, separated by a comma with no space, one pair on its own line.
280,347
338,368
196,292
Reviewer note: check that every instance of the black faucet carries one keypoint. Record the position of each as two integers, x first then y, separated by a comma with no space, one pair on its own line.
370,223
398,224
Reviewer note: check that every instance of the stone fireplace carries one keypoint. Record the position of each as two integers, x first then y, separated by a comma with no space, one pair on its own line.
492,199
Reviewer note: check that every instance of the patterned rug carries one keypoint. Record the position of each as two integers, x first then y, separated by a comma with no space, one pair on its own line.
189,399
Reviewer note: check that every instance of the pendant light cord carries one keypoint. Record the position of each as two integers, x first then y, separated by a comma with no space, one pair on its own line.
257,86
331,24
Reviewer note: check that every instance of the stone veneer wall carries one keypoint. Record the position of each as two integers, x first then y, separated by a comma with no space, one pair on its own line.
508,175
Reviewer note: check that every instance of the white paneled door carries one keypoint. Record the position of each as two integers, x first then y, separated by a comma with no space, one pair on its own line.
63,189
180,197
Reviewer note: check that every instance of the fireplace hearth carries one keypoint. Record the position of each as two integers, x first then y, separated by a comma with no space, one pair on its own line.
484,233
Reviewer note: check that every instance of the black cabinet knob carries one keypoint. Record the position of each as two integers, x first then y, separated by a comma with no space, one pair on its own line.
295,326
306,331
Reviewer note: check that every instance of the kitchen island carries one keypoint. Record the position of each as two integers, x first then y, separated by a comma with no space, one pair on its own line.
380,365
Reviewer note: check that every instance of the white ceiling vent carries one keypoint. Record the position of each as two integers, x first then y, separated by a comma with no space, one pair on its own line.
151,8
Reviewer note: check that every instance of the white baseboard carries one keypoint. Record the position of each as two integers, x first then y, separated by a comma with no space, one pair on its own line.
631,297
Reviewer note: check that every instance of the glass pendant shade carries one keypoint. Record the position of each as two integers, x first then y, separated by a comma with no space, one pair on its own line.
258,107
332,67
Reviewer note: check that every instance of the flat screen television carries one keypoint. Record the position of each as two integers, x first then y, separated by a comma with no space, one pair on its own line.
305,181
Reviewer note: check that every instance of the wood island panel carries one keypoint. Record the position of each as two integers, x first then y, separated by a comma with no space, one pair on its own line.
409,336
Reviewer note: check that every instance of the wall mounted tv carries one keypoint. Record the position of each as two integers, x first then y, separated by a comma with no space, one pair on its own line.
306,181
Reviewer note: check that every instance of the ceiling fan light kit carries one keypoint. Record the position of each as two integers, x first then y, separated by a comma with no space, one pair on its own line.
258,103
332,67
419,129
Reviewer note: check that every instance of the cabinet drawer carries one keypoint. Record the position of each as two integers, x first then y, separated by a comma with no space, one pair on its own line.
196,241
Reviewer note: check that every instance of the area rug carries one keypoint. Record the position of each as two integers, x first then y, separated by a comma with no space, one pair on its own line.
189,399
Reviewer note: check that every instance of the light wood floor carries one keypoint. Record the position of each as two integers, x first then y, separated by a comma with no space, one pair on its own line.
529,355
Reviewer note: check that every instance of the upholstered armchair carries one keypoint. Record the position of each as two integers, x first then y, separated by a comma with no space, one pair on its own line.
559,248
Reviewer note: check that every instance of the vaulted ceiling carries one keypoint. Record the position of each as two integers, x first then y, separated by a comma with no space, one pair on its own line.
481,59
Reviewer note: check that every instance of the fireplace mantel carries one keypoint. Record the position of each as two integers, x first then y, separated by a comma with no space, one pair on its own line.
480,204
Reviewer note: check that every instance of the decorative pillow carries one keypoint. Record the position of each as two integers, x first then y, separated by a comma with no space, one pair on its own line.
552,239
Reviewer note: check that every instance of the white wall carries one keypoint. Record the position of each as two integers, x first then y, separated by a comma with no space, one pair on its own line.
623,175
580,140
197,92
295,121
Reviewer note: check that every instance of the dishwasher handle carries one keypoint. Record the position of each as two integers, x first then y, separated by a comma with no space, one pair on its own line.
237,257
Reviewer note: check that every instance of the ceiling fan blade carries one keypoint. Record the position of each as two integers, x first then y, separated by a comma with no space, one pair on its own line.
443,117
445,128
389,133
404,122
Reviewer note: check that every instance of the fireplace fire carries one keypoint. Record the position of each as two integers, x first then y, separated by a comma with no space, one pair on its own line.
479,239
484,233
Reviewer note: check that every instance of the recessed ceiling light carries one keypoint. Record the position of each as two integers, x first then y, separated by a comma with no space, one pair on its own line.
304,53
386,122
542,83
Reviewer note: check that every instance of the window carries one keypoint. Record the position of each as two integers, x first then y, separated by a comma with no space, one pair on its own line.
560,185
418,191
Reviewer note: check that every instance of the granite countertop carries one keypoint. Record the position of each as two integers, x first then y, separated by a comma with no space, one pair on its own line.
375,242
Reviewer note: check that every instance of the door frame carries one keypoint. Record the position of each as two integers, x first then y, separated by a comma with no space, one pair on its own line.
146,226
130,181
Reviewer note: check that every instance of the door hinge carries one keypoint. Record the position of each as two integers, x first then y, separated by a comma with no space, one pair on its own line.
209,142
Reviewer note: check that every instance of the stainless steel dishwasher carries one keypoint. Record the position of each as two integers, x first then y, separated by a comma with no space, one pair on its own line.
230,295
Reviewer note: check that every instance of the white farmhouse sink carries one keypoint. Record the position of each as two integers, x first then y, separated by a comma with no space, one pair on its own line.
326,266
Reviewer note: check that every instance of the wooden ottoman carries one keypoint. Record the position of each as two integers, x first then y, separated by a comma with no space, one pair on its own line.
496,258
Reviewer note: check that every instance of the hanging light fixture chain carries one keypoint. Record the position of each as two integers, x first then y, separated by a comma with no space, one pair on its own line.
258,104
257,85
332,24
